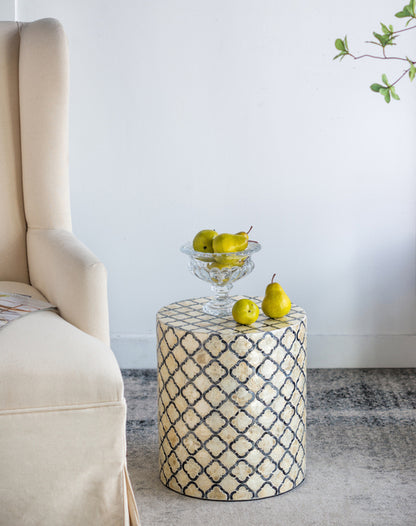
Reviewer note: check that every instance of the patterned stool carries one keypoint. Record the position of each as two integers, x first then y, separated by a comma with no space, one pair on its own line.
231,403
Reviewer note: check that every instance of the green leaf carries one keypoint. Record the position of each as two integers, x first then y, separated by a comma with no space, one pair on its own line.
412,72
384,79
394,94
339,44
408,11
376,87
378,37
384,40
342,55
346,43
387,96
385,29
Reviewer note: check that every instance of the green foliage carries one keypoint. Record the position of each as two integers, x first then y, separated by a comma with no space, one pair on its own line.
412,71
342,45
386,90
408,11
384,39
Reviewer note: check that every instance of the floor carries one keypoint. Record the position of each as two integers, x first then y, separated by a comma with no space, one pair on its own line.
361,457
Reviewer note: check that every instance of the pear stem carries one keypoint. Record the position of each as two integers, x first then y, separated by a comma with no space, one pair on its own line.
274,275
249,230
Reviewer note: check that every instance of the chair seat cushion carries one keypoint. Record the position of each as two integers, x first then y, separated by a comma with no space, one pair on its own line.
45,362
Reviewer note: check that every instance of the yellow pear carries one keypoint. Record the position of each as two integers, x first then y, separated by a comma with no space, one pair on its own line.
245,234
245,311
224,243
276,302
227,262
229,243
203,241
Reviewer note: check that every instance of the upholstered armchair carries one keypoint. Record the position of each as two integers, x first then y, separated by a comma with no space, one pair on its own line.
62,408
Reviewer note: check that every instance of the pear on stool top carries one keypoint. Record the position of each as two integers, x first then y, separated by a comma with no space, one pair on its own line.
276,302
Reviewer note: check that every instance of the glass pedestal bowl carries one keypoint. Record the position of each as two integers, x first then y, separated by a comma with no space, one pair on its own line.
220,270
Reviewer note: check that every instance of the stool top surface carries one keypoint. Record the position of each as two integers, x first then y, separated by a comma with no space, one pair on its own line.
188,315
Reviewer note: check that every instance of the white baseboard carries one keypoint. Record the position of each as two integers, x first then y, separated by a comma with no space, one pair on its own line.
135,351
382,350
138,351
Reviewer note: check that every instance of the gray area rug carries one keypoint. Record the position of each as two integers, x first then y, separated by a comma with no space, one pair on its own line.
361,457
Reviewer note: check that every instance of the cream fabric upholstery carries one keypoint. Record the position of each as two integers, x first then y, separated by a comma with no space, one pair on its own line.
62,408
71,367
71,277
12,220
43,85
64,467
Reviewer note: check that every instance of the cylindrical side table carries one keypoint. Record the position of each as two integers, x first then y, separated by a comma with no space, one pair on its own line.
231,403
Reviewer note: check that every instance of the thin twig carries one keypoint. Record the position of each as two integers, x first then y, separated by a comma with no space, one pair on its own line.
400,78
380,58
406,29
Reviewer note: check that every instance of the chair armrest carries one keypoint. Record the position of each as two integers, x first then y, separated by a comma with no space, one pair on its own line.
70,277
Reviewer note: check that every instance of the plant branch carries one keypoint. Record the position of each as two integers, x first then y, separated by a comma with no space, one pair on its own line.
379,58
401,76
405,29
383,39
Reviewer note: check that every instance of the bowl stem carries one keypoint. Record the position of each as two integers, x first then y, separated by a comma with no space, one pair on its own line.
221,304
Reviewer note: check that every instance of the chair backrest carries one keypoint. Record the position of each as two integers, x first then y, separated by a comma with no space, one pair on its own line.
34,190
13,265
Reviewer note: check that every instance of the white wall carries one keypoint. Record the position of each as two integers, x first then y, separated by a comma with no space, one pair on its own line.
7,10
190,114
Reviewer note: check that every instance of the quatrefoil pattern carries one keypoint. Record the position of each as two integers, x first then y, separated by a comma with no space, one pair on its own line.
231,403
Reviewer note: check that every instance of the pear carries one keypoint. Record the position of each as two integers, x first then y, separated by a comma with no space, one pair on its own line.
245,234
230,243
245,311
276,302
203,241
227,262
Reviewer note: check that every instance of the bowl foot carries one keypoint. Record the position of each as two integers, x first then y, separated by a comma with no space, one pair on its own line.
219,307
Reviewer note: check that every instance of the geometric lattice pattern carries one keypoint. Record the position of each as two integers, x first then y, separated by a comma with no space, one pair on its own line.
231,403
